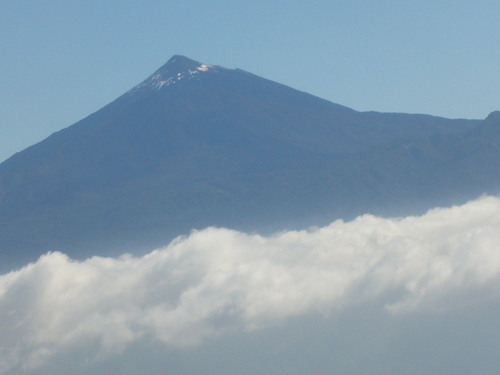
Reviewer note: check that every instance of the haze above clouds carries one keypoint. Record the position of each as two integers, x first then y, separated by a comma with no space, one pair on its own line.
218,283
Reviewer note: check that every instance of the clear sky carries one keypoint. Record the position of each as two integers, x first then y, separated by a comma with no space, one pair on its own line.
62,60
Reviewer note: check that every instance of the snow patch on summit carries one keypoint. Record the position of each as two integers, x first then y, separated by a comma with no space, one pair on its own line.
159,79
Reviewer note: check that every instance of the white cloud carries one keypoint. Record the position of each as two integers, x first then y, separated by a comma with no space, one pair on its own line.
219,280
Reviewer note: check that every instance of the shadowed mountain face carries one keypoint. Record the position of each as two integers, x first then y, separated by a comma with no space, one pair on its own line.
197,145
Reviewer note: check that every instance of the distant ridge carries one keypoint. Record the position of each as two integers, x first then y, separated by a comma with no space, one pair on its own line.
195,145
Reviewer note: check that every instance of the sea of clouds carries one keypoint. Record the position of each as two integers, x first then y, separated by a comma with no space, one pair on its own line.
220,282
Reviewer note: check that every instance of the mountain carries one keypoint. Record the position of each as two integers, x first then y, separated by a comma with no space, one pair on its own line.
196,145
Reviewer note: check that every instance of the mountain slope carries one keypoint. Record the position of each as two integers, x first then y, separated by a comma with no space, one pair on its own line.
196,145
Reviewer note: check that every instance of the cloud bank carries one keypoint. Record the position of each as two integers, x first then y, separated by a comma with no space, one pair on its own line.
219,281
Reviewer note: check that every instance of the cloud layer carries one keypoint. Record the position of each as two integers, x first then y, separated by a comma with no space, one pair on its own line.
218,281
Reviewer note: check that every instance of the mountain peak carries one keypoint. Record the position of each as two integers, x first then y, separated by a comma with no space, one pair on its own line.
177,68
179,63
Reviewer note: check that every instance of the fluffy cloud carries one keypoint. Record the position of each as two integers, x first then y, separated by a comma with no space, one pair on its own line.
218,281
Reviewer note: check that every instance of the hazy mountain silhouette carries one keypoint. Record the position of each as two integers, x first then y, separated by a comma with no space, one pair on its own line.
197,145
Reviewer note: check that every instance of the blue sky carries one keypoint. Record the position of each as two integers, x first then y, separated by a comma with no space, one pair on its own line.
62,60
